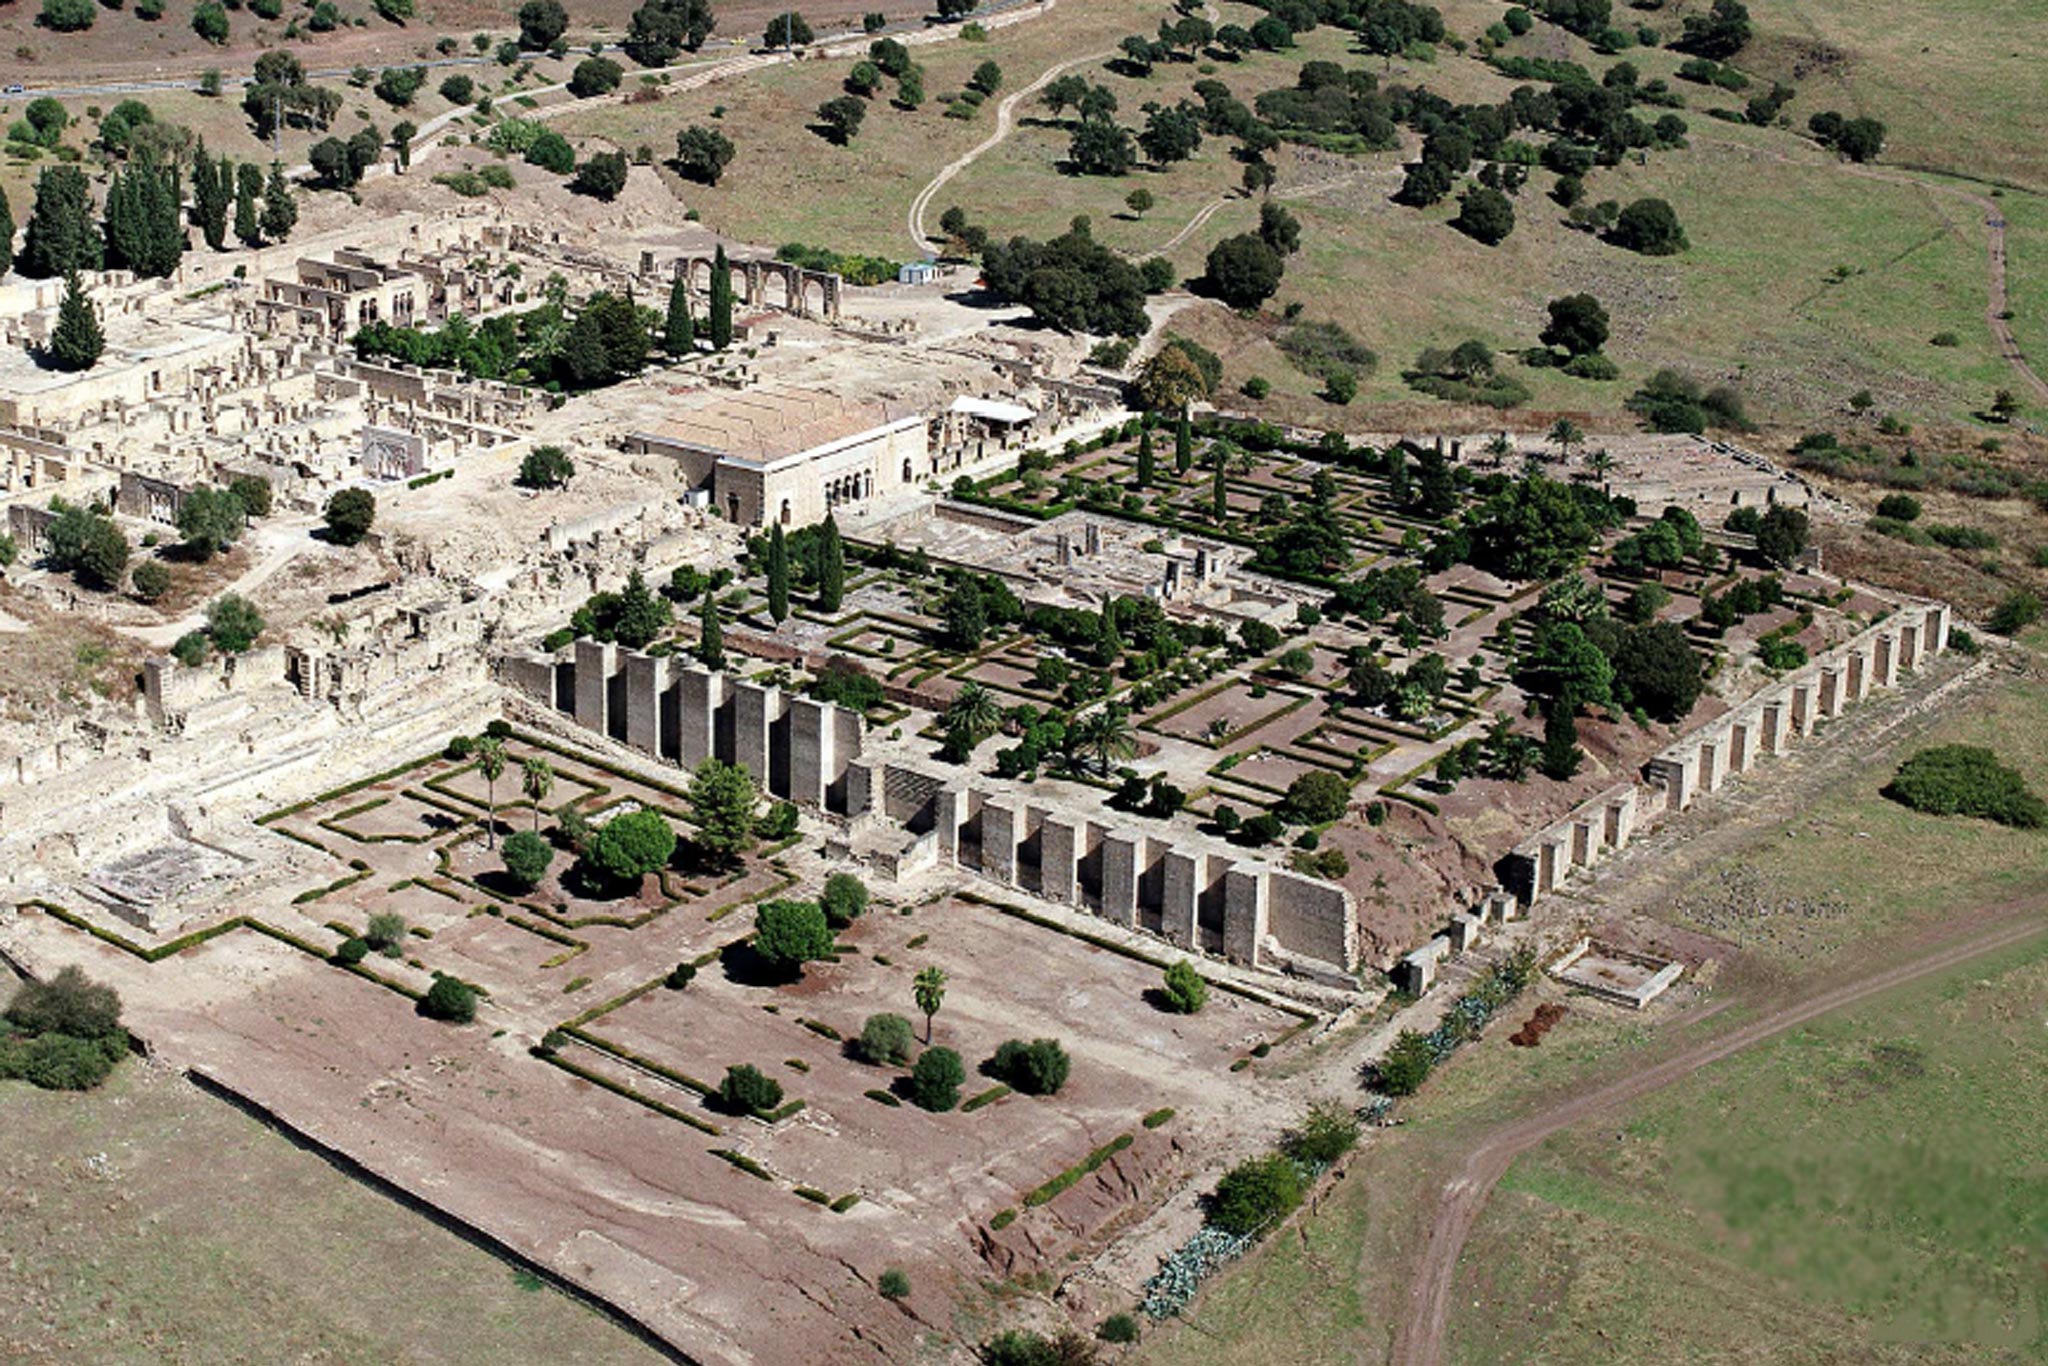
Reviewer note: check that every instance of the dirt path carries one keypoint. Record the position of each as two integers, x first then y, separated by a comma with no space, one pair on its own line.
1422,1335
1005,120
1994,229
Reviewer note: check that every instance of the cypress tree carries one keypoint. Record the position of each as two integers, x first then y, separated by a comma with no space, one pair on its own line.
144,231
710,635
280,210
6,234
778,575
1183,444
1145,459
721,300
831,567
61,236
1561,755
248,220
679,331
213,190
1219,496
77,341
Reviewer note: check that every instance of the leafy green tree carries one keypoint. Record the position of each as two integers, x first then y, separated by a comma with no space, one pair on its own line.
2020,609
233,623
841,118
631,846
1038,1068
545,467
67,16
1318,797
642,616
541,22
660,29
1578,325
722,799
936,1078
1185,991
1243,271
928,989
210,519
1782,535
602,176
594,76
1650,227
151,580
350,514
788,30
1656,668
702,154
844,899
1561,758
1406,1065
68,1003
77,342
1139,201
789,934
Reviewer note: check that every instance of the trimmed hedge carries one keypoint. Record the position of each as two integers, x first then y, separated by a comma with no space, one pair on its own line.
1087,1165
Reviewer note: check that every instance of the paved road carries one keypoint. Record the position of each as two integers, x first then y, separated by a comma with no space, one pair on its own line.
1421,1338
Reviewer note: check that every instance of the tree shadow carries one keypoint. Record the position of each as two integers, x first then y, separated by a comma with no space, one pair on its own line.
745,966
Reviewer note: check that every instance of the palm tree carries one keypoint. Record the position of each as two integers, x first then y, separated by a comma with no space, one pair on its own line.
1565,434
1106,735
490,761
1600,461
928,988
1499,447
974,710
536,780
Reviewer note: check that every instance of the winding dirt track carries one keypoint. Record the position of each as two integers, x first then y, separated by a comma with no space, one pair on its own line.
1422,1334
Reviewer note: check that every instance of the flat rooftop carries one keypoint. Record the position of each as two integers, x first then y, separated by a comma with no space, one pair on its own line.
767,423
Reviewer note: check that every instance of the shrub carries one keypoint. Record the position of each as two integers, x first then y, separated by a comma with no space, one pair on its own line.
69,1003
747,1090
352,951
935,1080
1317,797
527,857
1325,1134
545,467
1257,387
1118,1328
449,1000
62,1062
1255,1195
1038,1068
680,976
887,1040
1185,991
2020,610
844,898
893,1284
1899,507
1965,780
386,933
1406,1065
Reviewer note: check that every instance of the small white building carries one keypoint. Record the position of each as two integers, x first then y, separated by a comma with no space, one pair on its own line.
918,273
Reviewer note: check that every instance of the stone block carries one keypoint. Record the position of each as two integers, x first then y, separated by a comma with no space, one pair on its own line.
1772,726
1244,913
703,693
756,709
1182,896
646,681
595,663
1674,775
811,737
1002,828
1621,819
1885,660
1121,867
1059,859
950,806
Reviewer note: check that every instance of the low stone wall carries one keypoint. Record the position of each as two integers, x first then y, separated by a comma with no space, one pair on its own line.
1763,727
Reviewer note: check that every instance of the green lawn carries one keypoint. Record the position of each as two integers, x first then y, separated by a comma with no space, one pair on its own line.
1873,1187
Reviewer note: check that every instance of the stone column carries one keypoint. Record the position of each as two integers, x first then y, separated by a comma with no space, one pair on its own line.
1244,913
1001,827
1621,819
1675,777
1712,770
1834,683
1771,729
1805,706
1183,894
860,787
595,662
1937,628
1586,832
810,749
1120,869
1059,859
1741,744
646,681
1859,673
950,806
703,692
